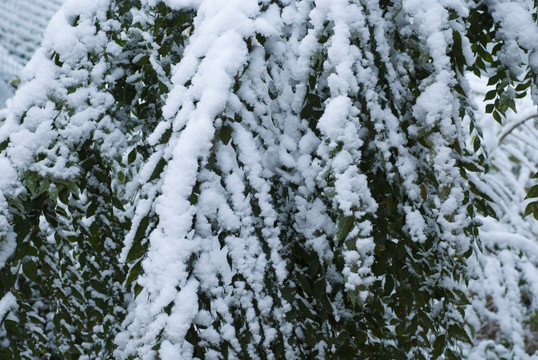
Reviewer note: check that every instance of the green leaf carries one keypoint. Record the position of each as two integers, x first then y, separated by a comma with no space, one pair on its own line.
22,251
137,249
57,60
305,284
314,100
129,93
497,48
288,293
423,192
7,279
132,156
4,144
497,117
92,208
451,356
166,136
533,192
30,180
261,39
5,353
141,60
135,272
523,87
345,224
462,297
306,113
531,208
493,80
487,57
457,332
30,270
158,170
15,82
117,203
391,206
426,322
471,166
425,141
12,326
438,346
476,144
490,95
44,186
389,285
138,289
225,134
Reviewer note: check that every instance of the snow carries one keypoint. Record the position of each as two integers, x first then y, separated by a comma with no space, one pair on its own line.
7,303
517,23
215,54
248,178
415,224
506,269
517,30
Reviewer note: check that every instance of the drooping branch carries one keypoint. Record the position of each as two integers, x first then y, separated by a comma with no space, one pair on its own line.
521,122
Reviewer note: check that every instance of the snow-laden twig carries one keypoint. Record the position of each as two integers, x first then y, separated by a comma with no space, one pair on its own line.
513,127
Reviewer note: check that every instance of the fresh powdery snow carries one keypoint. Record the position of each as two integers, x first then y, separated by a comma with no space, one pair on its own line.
505,288
187,179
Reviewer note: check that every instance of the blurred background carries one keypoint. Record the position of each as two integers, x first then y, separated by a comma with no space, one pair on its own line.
22,23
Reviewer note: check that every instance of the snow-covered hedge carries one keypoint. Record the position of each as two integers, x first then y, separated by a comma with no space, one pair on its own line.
268,179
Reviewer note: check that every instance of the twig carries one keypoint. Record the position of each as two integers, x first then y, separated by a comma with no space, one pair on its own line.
516,125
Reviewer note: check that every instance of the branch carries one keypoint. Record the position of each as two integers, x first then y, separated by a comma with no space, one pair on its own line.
516,125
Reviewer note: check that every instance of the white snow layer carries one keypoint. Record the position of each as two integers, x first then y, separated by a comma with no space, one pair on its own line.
186,259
